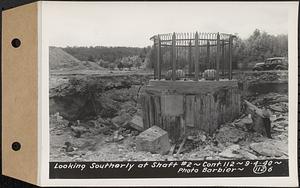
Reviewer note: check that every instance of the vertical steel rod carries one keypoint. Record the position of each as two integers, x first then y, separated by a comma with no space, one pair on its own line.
218,57
230,56
155,64
196,57
190,58
208,55
158,58
223,58
174,57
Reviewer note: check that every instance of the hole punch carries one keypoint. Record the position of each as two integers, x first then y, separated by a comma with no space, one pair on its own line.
16,43
16,146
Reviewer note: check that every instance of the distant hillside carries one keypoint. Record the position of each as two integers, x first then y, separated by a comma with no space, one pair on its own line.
110,54
61,60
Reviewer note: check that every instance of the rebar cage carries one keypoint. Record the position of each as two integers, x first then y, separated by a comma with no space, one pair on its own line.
192,53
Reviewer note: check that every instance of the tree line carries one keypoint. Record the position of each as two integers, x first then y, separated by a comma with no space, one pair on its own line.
258,47
111,57
246,52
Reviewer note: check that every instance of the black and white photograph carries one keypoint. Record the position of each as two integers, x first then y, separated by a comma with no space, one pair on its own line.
169,82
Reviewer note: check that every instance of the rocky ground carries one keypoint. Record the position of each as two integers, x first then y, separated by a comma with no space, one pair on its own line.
105,133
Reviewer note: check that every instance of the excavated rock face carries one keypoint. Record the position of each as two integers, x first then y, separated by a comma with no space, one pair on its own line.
84,98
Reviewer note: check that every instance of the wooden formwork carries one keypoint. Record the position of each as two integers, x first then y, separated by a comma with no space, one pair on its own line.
178,106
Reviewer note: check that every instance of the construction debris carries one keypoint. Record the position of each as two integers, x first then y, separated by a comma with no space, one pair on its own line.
229,134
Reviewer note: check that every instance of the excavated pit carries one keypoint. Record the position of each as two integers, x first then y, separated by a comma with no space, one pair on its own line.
93,114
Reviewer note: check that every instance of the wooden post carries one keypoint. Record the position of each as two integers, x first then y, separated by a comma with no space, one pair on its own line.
196,57
218,57
230,57
223,58
173,57
208,54
190,58
158,58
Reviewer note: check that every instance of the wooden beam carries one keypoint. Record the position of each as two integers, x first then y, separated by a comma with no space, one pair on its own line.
180,147
158,58
218,57
172,149
173,55
196,57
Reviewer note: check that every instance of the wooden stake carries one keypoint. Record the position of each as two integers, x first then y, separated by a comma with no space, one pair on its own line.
181,146
172,149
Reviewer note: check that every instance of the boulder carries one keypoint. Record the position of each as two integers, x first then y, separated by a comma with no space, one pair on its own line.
154,140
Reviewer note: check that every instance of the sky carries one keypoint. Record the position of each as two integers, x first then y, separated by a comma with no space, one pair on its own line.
132,24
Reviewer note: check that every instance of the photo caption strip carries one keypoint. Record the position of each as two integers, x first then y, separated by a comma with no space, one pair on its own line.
169,169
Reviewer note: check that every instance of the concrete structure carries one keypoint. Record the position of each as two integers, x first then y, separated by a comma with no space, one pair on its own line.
182,106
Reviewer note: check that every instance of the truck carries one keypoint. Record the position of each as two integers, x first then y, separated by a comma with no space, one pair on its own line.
274,63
